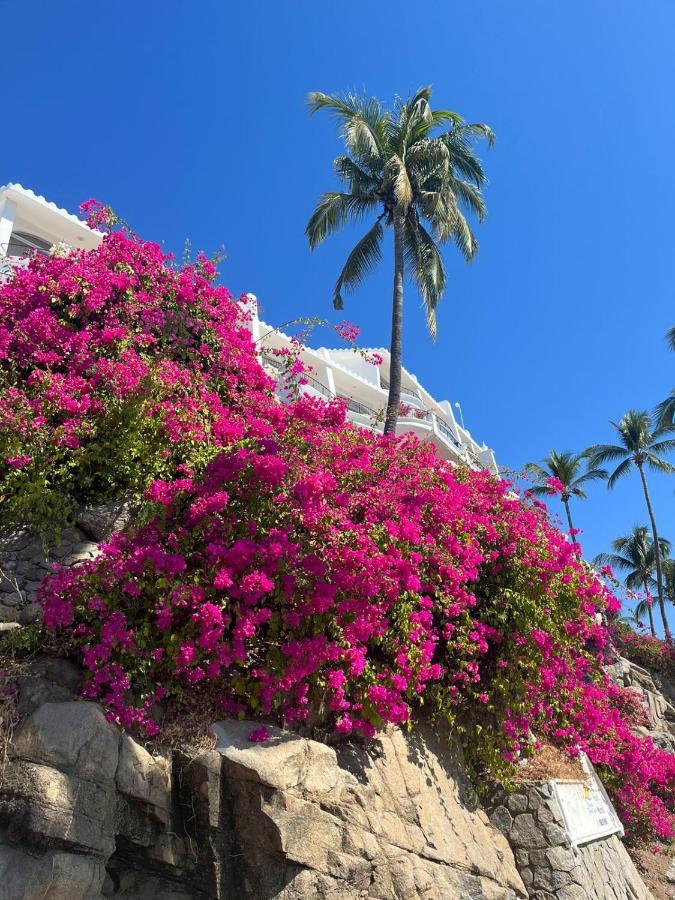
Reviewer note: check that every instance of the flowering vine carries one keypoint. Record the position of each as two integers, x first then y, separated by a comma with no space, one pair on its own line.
284,563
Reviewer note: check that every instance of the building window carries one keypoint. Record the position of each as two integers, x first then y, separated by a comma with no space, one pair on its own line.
21,243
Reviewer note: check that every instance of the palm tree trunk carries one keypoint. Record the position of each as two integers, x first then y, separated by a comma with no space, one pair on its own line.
396,347
657,554
649,610
569,520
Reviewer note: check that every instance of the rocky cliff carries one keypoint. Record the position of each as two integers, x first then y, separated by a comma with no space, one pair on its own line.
87,813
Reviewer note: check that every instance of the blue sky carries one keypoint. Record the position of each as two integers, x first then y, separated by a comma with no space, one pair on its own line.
189,119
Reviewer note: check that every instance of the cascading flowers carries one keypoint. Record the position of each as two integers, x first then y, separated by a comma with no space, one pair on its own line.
286,564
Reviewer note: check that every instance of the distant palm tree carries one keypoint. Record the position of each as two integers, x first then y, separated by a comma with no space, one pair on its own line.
641,444
399,166
636,617
566,468
634,554
644,608
665,411
669,579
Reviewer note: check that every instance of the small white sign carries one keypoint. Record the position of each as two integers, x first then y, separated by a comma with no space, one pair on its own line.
586,808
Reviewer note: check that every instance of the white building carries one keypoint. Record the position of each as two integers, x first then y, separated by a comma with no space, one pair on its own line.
30,224
364,387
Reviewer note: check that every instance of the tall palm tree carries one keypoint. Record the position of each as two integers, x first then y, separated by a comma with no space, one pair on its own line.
399,166
665,411
566,468
641,444
635,555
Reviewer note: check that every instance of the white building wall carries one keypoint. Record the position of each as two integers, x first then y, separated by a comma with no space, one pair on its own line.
364,387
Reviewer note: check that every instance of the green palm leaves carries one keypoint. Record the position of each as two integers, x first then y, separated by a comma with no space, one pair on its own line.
415,169
396,161
634,554
665,411
641,445
573,473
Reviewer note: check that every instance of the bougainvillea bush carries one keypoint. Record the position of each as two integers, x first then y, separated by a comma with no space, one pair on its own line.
285,564
114,369
645,650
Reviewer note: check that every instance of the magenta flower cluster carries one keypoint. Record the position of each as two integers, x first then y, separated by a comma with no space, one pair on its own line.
291,566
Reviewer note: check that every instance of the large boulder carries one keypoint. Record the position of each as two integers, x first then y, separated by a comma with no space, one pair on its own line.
88,813
396,819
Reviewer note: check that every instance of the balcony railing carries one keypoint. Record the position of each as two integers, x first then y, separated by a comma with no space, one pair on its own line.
312,382
303,379
415,412
359,408
445,431
384,384
272,361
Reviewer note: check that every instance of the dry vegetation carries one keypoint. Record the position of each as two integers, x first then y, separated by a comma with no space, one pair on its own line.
550,762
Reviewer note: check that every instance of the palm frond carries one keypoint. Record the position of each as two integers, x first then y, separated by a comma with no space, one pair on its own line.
634,554
359,181
440,209
363,258
621,470
427,265
634,430
612,559
463,158
464,237
602,453
664,414
540,490
478,131
415,120
659,465
641,611
470,197
441,116
591,475
364,124
660,447
332,211
427,159
670,337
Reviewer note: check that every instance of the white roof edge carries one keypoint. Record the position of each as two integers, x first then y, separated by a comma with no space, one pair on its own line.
31,195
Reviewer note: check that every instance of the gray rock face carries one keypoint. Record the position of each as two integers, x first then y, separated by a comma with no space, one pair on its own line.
25,561
87,813
396,820
99,522
550,866
658,696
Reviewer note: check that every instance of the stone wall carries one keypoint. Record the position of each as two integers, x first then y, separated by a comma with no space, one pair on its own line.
25,559
551,868
24,562
87,813
658,695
